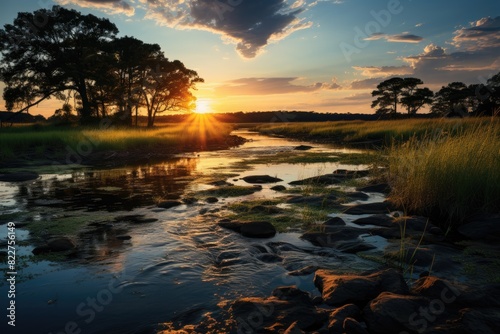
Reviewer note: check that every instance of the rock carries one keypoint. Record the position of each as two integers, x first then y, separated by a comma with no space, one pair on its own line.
286,306
353,247
61,244
376,188
483,320
294,329
189,200
203,211
317,300
350,174
342,289
278,188
251,229
269,209
337,317
351,326
169,204
123,237
334,221
261,179
392,313
436,230
358,196
269,258
211,199
302,148
334,234
327,179
315,200
370,208
487,295
482,227
381,220
18,176
308,270
415,223
220,183
437,288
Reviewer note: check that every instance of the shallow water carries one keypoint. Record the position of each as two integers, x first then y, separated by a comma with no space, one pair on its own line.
175,269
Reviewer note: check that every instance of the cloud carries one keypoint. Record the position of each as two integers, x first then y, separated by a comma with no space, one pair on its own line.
399,38
269,86
484,33
252,25
366,83
108,6
383,71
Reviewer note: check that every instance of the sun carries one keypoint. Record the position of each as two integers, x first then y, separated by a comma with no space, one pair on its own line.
203,106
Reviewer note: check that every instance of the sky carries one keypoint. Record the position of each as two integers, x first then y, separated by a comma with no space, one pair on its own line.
320,55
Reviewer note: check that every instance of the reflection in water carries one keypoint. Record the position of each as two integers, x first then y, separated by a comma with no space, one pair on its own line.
111,190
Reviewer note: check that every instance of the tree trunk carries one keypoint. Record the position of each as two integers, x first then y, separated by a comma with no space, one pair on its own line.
86,110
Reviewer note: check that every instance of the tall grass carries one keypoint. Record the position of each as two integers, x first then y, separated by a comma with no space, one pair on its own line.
448,174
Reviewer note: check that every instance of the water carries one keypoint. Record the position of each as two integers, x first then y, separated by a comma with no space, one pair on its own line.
177,269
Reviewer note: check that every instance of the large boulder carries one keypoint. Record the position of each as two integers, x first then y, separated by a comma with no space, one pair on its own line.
59,244
337,317
357,289
370,208
482,227
381,220
393,313
261,179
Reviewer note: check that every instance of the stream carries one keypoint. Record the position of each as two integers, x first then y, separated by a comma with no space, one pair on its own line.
178,266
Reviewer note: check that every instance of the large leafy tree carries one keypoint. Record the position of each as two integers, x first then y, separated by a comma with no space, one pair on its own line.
51,52
452,98
404,91
167,86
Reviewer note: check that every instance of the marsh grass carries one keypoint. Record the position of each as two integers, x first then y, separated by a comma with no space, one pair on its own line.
450,175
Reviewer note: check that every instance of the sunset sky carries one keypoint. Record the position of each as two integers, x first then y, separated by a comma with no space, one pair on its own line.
322,55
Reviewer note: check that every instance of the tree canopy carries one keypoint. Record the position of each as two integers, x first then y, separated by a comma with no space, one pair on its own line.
61,53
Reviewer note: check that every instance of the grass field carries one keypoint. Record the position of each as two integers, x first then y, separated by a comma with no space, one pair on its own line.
448,168
37,140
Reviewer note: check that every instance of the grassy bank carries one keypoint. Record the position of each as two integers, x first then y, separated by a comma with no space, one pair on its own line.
383,132
450,175
32,142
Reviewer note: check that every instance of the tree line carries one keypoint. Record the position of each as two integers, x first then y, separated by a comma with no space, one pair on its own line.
456,98
61,53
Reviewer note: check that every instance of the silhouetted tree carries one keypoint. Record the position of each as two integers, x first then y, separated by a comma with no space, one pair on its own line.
167,87
452,98
51,51
400,90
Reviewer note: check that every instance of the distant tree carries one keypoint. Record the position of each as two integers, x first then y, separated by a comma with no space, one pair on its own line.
400,90
166,86
487,97
50,52
417,99
452,98
388,93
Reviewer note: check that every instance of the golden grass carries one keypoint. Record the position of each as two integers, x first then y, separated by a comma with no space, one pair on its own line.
451,174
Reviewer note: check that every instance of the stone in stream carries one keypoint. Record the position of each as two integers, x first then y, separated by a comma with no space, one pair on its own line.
278,188
250,229
357,289
327,179
383,188
352,326
337,317
308,270
350,174
261,179
302,148
18,176
370,208
169,204
61,244
381,220
123,237
211,199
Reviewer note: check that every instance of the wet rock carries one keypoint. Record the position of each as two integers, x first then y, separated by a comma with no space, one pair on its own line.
308,270
436,288
317,201
286,306
123,237
261,179
358,196
353,247
169,204
482,227
350,174
294,329
203,211
327,179
189,200
383,188
269,209
381,220
487,295
41,250
334,235
370,208
415,223
61,244
352,326
392,313
337,317
211,199
482,320
269,258
302,148
357,289
334,221
251,229
220,183
18,176
278,188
